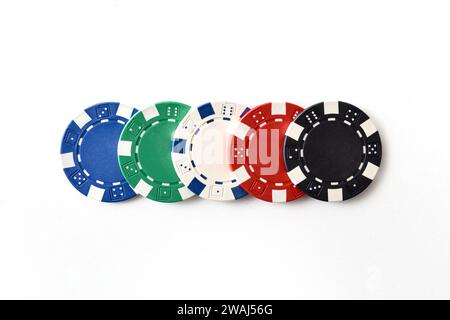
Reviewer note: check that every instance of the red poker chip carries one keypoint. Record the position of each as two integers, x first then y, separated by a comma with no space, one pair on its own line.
257,152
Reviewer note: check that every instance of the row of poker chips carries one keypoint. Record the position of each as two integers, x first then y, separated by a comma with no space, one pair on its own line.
169,152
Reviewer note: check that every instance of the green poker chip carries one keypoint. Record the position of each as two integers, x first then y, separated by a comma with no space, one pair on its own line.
144,152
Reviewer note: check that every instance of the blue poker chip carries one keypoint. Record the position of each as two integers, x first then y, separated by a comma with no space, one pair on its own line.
89,152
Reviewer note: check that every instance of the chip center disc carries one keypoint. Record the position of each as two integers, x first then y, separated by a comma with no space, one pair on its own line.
333,151
209,150
99,155
154,152
269,142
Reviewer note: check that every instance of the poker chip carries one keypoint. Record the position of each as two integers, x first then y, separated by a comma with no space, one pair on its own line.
145,152
257,152
200,150
332,151
89,152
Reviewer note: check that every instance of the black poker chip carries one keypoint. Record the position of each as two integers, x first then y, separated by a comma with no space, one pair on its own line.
332,151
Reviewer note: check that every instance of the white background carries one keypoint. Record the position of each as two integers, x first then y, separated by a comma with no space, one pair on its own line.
391,58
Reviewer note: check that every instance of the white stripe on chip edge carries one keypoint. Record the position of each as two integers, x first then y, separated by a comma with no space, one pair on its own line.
67,160
278,108
185,193
331,107
82,119
96,193
368,127
150,112
241,174
241,130
296,175
371,171
294,131
124,148
124,111
335,195
279,196
143,188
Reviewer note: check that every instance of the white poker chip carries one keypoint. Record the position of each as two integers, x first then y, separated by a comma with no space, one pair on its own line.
201,150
